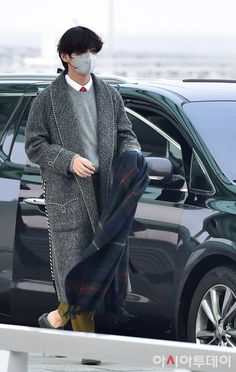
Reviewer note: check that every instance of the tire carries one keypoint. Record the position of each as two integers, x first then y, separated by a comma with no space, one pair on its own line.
212,313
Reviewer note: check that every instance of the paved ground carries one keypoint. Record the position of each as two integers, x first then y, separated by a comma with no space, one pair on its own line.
38,363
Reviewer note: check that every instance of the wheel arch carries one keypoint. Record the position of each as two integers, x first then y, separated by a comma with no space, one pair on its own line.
198,272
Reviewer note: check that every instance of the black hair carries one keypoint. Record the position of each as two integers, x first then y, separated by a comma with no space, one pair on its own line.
78,39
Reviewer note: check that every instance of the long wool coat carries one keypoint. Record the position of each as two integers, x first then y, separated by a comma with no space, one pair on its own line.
53,137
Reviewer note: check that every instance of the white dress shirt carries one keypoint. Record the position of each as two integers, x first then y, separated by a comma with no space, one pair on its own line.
76,85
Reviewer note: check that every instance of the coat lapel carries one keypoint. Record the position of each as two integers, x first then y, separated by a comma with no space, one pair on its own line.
70,136
105,132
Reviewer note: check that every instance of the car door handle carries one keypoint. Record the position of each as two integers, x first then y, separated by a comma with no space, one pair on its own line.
35,201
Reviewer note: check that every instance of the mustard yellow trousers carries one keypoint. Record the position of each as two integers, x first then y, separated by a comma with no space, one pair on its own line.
82,323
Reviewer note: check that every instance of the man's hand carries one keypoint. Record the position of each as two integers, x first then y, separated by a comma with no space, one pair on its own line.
82,166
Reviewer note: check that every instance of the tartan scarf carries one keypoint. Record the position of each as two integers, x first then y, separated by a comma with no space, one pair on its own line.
102,271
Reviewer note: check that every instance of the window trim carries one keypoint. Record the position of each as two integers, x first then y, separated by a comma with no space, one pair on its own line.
11,94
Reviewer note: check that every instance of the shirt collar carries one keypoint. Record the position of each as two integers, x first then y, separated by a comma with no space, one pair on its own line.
76,85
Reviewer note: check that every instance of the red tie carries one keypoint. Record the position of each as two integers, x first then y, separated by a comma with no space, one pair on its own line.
83,89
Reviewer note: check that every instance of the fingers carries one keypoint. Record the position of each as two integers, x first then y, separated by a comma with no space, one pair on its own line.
83,167
87,163
83,171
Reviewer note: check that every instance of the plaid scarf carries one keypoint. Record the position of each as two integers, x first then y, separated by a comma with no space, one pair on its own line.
102,272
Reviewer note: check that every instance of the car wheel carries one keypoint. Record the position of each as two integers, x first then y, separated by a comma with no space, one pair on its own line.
212,314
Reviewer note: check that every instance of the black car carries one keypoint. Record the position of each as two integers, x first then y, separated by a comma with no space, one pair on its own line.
183,238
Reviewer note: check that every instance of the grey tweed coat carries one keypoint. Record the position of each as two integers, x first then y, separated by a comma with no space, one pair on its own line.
52,138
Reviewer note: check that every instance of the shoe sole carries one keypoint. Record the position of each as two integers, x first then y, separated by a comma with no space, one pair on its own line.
41,322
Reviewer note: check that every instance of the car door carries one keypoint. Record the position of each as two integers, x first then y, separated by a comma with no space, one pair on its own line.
32,291
11,106
155,232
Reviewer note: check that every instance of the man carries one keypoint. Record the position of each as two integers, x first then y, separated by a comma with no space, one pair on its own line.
77,127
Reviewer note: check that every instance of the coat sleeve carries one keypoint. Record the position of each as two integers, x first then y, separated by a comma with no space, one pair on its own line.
126,138
38,148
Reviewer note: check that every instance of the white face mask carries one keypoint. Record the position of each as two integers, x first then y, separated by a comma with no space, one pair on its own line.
85,63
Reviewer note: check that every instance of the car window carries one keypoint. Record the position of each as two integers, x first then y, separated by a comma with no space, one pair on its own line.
215,123
155,142
7,107
18,154
152,143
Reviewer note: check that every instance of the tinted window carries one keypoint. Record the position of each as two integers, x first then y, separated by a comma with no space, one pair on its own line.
215,122
152,143
155,142
18,154
7,106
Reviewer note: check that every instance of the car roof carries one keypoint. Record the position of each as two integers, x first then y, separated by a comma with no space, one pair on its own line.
186,90
197,89
18,83
7,77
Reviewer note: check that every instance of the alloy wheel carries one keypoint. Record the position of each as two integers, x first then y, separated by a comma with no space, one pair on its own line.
216,317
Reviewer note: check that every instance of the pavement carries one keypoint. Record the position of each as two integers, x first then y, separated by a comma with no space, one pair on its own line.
45,363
